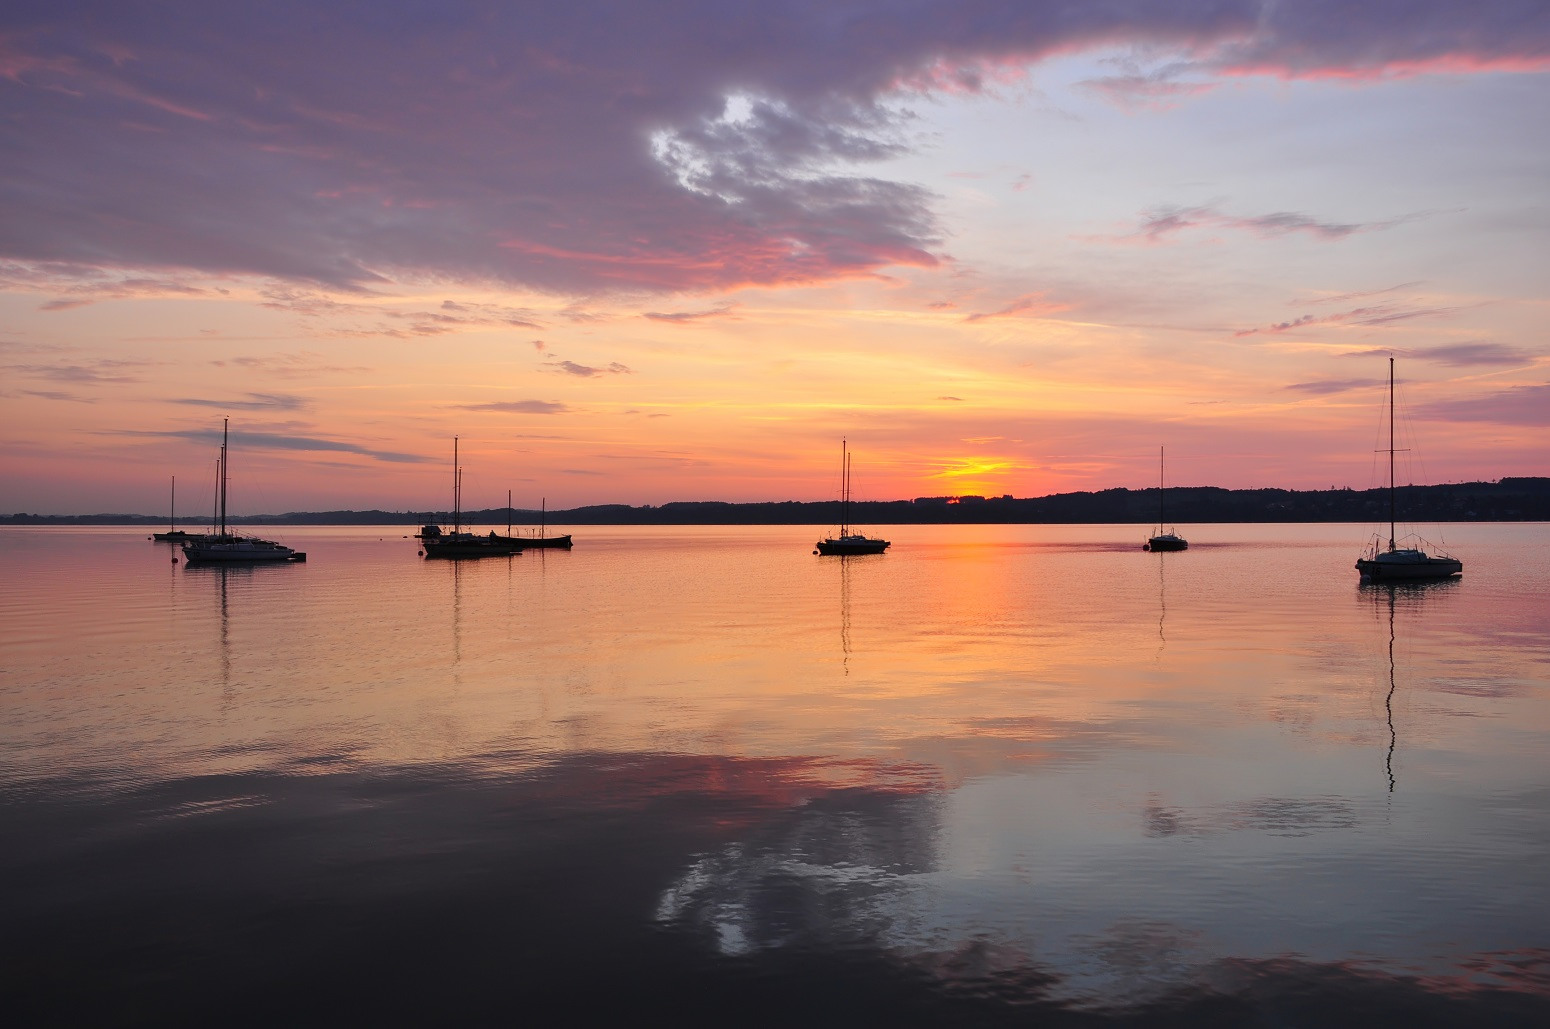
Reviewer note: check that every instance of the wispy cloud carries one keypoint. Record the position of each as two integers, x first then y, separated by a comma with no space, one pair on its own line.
1032,305
1161,224
1367,316
586,371
254,402
97,372
1329,387
1520,405
260,441
1471,355
518,406
683,317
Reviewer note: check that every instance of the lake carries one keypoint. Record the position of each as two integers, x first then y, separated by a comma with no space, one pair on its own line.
1002,774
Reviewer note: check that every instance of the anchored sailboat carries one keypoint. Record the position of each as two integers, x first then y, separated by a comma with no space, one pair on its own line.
1163,540
848,542
458,543
1393,562
225,546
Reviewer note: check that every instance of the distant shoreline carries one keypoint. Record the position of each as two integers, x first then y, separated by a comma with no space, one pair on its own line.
1521,499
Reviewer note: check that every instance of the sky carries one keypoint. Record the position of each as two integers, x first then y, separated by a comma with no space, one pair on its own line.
642,252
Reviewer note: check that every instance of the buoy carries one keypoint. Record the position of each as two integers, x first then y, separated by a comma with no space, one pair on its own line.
174,560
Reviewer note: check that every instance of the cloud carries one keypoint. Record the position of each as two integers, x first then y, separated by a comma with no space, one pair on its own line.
683,317
255,402
1520,405
583,148
49,394
519,406
1382,314
1328,387
1032,305
98,372
1155,91
300,365
1163,223
259,441
588,371
1469,355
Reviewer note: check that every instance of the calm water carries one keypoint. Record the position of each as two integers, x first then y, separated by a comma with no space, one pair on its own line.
1019,774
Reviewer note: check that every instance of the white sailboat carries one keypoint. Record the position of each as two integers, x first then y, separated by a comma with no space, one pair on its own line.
1392,562
848,541
224,546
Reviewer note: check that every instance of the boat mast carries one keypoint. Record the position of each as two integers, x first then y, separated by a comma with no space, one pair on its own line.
225,425
1391,454
457,486
172,507
508,514
844,487
543,511
1160,490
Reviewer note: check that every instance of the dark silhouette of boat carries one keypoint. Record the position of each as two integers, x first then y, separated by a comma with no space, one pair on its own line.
1170,540
1392,562
173,533
458,543
223,546
848,542
538,539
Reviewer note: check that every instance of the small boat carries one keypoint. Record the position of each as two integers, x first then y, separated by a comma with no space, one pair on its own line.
848,542
1163,540
173,533
540,540
458,543
1393,563
224,546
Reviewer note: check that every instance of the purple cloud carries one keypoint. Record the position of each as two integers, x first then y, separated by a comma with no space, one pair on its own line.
1470,355
519,407
254,402
587,371
1329,387
1520,405
585,147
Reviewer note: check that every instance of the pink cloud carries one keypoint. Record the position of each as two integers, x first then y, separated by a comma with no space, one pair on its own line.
584,148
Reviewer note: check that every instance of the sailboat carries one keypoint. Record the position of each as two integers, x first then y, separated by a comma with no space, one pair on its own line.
538,540
225,546
436,543
173,533
1163,540
1393,562
848,542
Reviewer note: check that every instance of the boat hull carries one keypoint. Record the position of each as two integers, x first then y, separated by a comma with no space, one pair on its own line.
1408,570
544,542
471,546
1167,541
851,545
246,552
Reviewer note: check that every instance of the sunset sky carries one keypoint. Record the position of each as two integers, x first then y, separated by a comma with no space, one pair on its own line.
639,252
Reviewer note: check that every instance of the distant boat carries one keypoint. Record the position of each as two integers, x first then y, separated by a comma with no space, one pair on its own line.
173,533
227,547
848,542
457,543
1163,540
1393,563
540,540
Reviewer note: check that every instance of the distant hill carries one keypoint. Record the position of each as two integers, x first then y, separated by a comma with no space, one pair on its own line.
1505,500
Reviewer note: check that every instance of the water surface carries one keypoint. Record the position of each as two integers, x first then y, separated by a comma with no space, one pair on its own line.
1000,773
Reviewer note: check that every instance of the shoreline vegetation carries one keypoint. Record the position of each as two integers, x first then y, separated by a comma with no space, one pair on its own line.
1525,499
